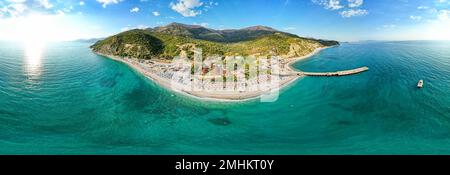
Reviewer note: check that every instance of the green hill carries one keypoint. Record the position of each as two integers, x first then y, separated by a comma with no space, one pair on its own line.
169,41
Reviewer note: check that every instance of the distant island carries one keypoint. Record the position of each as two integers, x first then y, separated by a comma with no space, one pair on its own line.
235,64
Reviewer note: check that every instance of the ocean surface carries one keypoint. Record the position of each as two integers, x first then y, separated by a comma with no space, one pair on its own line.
63,99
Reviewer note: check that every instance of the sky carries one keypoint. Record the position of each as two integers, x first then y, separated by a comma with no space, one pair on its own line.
342,20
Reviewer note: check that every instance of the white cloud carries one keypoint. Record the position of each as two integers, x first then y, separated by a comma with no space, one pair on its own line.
444,15
415,18
204,24
423,7
18,8
353,12
155,13
14,9
438,29
60,12
334,5
81,3
123,29
16,1
329,4
289,28
136,27
141,27
187,8
108,2
347,10
45,4
355,3
209,5
134,10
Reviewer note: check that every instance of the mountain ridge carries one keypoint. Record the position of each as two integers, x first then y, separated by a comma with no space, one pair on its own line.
226,35
168,41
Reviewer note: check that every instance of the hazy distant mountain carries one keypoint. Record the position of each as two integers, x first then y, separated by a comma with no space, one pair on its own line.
168,41
91,40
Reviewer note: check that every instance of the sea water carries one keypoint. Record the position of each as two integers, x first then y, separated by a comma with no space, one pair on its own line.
60,98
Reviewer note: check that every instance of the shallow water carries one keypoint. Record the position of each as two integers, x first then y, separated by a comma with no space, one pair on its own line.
67,100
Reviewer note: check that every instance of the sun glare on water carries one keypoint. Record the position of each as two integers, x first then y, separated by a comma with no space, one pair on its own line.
33,60
33,53
34,32
35,35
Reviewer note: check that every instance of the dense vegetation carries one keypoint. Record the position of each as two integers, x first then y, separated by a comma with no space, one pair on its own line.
169,41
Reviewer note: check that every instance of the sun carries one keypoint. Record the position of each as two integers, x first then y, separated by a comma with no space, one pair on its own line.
35,29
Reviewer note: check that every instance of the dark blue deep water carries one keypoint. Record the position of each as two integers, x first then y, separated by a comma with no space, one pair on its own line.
63,99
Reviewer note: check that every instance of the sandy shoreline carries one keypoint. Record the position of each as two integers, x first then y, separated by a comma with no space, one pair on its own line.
294,60
222,95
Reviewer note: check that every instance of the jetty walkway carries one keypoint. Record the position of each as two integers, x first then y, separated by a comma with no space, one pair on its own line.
330,74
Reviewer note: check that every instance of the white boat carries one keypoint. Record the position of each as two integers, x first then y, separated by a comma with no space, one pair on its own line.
420,84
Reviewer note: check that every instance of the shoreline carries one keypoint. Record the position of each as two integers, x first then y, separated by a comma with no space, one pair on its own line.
222,96
297,59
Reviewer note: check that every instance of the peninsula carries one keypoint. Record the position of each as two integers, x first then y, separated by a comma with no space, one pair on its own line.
213,64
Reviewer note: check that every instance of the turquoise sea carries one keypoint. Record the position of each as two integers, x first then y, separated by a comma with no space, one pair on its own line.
63,99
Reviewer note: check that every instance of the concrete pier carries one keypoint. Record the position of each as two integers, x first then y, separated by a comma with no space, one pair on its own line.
338,73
